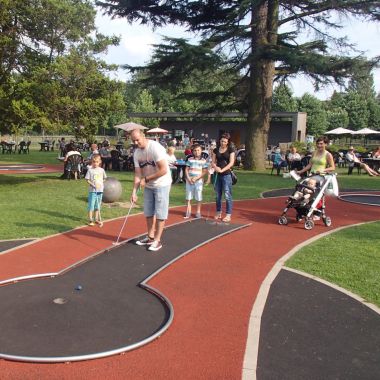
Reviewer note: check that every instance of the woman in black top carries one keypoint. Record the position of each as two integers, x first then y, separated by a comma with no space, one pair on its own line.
223,158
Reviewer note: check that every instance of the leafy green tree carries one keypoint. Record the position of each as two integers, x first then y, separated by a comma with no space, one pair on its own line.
34,31
363,83
144,103
374,114
316,123
356,107
77,94
283,100
337,118
247,37
50,75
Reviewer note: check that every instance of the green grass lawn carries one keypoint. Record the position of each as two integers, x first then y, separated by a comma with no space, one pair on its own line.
37,205
349,258
34,157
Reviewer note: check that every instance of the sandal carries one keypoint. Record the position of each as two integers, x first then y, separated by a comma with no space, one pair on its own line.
227,218
218,216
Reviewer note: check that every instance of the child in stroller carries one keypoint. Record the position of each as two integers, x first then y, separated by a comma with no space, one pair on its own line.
304,191
308,200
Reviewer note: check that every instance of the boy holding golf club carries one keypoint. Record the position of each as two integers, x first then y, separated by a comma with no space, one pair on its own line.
95,177
196,169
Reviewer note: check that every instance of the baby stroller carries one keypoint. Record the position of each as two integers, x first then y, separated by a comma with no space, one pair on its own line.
308,200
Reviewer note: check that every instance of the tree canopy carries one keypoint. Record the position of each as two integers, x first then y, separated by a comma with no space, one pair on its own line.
50,74
261,41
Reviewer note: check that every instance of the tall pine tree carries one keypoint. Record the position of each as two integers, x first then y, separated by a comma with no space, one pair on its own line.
249,34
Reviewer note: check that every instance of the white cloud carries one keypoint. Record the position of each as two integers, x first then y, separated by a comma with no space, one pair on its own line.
139,47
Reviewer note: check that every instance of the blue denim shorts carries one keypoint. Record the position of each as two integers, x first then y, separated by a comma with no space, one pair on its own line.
156,202
94,200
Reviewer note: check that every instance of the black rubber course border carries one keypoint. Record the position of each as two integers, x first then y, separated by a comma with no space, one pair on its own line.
365,199
97,308
21,167
9,244
312,331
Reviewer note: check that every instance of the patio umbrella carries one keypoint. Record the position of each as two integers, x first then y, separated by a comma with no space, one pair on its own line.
157,130
129,127
366,131
339,131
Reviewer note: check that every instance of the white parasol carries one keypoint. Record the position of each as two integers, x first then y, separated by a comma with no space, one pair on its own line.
157,130
340,131
366,131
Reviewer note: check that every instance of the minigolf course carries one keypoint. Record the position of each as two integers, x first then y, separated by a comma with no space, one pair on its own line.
98,308
212,291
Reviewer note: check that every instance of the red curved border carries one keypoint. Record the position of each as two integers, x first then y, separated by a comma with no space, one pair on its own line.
212,291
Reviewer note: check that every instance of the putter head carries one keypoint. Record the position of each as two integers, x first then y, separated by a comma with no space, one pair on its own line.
115,243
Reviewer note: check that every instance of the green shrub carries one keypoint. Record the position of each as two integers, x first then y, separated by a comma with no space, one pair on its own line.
300,146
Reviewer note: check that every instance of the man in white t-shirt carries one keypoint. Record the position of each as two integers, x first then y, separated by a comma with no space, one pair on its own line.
153,174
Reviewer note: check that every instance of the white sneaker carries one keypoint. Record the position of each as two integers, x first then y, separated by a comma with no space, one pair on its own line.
145,241
155,246
198,215
187,215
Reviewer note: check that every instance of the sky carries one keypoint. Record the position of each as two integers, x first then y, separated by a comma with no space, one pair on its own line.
136,47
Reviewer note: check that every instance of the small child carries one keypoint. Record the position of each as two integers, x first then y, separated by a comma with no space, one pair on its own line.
95,177
196,168
172,159
305,193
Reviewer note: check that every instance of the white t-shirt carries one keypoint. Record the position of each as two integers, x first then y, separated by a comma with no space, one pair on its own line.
97,177
146,159
171,160
294,157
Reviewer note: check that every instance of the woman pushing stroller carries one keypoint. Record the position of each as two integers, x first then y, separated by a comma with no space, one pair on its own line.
309,198
321,162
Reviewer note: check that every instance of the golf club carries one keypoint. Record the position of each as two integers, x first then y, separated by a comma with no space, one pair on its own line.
125,220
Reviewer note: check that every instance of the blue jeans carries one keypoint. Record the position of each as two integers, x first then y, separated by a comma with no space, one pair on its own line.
223,184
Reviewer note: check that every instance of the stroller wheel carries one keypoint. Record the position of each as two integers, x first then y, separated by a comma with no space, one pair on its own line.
309,224
283,220
327,221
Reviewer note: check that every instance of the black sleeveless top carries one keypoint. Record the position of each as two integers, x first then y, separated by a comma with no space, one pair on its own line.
223,159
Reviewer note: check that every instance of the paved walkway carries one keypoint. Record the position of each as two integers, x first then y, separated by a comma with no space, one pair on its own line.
212,291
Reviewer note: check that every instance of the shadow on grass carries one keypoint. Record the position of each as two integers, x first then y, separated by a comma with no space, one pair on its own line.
29,178
52,228
57,214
